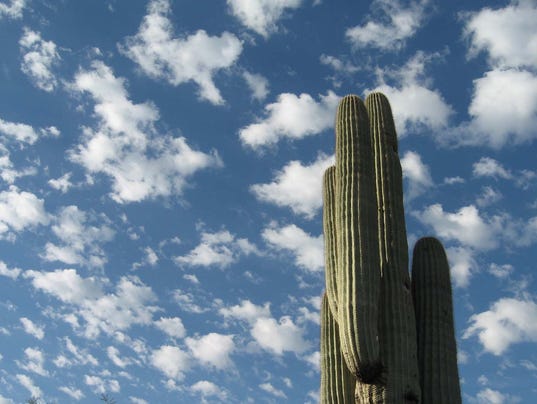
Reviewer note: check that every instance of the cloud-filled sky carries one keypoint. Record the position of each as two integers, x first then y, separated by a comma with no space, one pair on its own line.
160,188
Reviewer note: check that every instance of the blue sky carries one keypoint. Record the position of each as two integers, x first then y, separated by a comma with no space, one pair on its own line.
160,188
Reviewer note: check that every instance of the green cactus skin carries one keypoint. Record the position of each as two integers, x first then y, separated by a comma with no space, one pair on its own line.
437,349
380,336
397,332
358,283
330,238
337,383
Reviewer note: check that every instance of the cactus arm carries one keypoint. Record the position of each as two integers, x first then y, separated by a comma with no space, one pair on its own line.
397,331
437,349
330,238
337,383
358,283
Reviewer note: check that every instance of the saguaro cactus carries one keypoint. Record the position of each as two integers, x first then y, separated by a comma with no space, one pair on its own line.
368,286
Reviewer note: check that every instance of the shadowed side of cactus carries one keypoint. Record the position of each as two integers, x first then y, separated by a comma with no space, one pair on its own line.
397,332
358,274
330,237
437,349
337,383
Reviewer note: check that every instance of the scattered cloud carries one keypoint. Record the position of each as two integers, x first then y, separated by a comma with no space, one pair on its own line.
417,174
465,226
415,106
12,9
275,336
100,385
197,57
124,146
62,184
220,249
208,389
32,328
296,186
171,326
39,57
171,361
29,385
34,361
293,117
488,167
73,392
212,350
490,396
20,210
507,322
129,304
12,273
269,388
462,265
80,239
488,197
494,31
397,23
338,65
74,356
258,85
501,271
261,16
308,250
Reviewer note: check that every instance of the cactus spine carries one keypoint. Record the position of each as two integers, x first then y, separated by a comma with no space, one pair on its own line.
369,292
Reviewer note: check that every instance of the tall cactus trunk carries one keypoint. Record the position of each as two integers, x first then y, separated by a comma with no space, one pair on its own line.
369,301
437,353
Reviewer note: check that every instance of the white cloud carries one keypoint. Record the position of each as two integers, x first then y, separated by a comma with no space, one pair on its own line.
308,250
125,146
398,24
496,125
292,117
296,186
261,16
77,356
32,328
8,173
490,396
114,356
197,58
62,184
137,400
39,56
212,349
246,311
20,132
171,361
20,210
279,336
488,167
462,265
495,32
29,385
488,197
187,301
12,273
80,240
12,9
4,400
507,322
417,173
269,388
338,65
130,304
270,334
171,326
257,84
415,106
465,226
220,249
34,361
501,271
208,389
101,385
72,392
